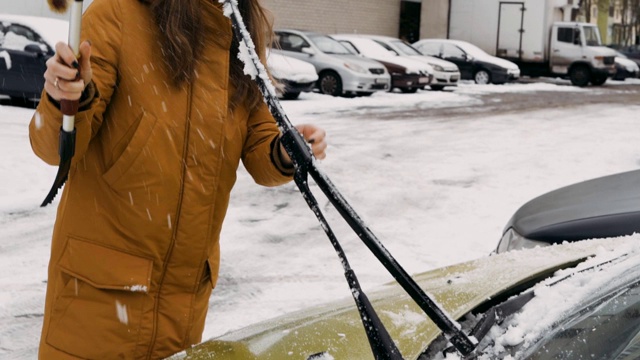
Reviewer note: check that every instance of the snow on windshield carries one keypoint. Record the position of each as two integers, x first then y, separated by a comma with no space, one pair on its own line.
555,301
473,50
370,48
13,41
405,48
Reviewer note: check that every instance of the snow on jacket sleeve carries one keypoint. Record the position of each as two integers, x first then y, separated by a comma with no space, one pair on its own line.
45,125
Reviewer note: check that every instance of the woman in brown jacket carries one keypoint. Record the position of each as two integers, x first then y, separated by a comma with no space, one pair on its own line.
166,115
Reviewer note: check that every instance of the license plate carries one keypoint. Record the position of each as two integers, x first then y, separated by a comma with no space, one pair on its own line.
423,80
380,81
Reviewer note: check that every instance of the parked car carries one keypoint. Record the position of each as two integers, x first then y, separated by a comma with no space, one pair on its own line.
473,62
631,51
625,67
339,71
408,75
572,301
293,76
608,206
445,73
26,43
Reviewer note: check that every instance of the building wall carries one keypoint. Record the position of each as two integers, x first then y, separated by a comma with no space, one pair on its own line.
434,19
381,17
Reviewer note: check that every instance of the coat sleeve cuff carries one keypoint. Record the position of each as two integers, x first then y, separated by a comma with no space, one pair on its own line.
276,158
86,99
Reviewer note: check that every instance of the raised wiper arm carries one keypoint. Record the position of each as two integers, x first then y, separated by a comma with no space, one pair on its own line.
304,164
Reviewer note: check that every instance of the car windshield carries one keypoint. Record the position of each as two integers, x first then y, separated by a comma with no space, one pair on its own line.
592,36
370,48
608,329
329,45
405,48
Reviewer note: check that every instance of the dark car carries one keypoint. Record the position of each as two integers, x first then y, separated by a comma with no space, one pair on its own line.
473,63
632,51
626,68
603,207
26,43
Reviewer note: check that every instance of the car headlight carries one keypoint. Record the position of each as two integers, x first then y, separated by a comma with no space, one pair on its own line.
356,68
511,240
437,67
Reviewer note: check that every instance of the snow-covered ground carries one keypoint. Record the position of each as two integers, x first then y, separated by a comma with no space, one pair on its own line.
435,191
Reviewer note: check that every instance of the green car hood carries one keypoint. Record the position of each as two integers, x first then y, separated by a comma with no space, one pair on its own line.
335,329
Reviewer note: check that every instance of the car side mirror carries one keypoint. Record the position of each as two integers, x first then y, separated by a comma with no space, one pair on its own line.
308,50
33,48
467,57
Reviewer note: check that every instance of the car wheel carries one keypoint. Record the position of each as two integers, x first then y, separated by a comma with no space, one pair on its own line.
330,83
579,75
598,80
482,77
291,95
409,90
437,87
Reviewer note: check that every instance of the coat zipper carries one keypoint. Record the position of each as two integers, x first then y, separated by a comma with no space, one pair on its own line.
177,221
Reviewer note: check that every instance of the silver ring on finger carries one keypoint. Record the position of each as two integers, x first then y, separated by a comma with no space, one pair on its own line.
55,84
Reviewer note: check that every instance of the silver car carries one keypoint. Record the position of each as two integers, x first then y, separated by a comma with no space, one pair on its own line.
340,72
445,73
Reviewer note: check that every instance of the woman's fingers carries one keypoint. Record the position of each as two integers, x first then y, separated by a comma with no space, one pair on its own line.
63,78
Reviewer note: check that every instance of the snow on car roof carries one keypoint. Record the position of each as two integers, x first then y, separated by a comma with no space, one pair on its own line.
50,29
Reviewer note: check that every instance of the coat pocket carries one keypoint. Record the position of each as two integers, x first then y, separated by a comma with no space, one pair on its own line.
98,313
132,151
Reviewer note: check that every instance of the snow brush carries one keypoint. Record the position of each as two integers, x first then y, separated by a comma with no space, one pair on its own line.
382,345
69,108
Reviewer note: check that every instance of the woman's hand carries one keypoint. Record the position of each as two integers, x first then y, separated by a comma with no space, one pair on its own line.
66,77
315,136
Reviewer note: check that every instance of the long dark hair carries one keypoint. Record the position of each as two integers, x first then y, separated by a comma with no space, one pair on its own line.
182,26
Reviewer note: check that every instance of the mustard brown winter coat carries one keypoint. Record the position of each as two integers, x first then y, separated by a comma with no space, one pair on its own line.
135,249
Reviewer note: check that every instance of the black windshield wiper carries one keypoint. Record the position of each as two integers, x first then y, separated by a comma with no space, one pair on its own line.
298,150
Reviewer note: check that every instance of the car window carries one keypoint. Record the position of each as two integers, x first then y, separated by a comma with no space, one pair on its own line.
609,329
432,49
291,42
566,34
329,45
591,36
452,51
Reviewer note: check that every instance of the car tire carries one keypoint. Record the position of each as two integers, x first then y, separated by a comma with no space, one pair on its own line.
598,80
409,90
291,95
330,83
437,87
482,77
580,75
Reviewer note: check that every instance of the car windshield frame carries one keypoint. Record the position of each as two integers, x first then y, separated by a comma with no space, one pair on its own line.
329,45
